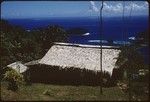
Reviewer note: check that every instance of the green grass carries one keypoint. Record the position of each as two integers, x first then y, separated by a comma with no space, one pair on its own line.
59,92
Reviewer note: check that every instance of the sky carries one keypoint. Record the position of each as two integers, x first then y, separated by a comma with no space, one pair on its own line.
45,9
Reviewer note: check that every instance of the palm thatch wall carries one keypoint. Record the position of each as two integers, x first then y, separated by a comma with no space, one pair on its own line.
67,76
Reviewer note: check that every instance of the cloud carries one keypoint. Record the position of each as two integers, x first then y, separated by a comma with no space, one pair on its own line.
112,8
117,7
93,6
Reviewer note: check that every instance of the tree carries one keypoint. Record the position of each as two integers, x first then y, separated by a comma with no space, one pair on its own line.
14,79
130,60
142,37
19,44
51,34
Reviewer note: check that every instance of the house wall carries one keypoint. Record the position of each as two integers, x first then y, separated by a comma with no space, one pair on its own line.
67,76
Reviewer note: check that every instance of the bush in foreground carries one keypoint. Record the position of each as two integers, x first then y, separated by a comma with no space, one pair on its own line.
14,79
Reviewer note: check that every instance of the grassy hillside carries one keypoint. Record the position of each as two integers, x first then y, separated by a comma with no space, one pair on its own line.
57,92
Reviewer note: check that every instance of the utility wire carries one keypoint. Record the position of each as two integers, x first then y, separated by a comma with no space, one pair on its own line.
101,31
124,41
131,10
129,69
124,44
125,37
123,23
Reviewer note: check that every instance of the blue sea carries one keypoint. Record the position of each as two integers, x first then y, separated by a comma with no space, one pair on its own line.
113,28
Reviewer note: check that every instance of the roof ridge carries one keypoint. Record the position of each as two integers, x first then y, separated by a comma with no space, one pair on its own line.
84,45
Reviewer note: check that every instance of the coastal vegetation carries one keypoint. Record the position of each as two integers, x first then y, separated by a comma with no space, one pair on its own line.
142,38
134,71
17,44
14,79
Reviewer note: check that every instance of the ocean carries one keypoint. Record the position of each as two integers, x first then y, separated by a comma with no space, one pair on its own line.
114,29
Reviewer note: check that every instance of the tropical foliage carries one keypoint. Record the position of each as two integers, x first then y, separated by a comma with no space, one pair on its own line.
14,79
131,62
18,44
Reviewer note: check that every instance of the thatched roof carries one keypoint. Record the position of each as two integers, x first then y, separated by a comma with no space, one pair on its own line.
18,66
32,62
81,56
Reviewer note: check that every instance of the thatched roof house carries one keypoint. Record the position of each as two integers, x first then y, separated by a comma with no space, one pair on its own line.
81,56
18,66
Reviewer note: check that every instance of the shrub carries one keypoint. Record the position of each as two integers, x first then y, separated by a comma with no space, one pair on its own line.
14,79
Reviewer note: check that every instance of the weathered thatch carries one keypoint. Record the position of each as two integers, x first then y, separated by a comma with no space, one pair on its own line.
32,62
81,56
18,66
